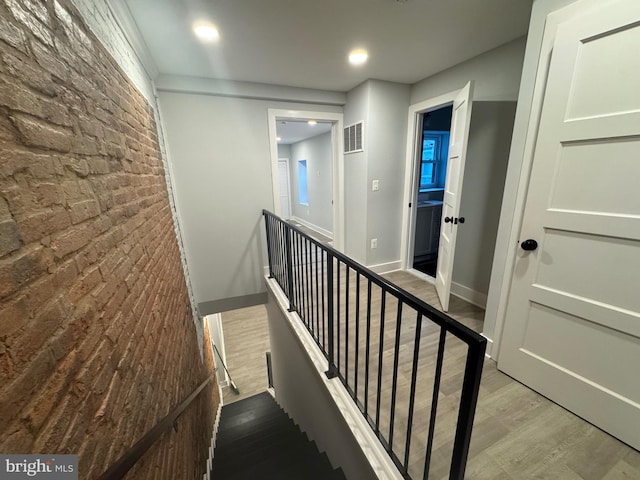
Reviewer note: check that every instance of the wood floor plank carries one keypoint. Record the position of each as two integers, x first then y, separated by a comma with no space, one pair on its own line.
518,434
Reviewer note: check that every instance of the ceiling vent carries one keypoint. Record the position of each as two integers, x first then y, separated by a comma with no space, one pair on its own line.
353,138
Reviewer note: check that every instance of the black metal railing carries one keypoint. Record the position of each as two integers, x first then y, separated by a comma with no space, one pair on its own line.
387,347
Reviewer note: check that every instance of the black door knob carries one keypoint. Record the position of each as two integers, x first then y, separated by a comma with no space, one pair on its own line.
529,244
461,220
448,219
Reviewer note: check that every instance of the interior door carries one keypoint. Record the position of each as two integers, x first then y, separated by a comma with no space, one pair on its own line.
572,330
285,188
460,120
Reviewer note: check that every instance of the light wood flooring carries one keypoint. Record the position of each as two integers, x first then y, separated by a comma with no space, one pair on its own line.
517,434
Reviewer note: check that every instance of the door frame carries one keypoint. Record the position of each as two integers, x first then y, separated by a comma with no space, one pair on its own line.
337,161
518,174
410,171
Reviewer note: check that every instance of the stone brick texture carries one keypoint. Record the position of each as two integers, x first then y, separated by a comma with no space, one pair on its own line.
97,339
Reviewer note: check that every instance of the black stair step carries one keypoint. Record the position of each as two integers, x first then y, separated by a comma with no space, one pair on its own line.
251,421
259,439
268,453
304,462
261,400
248,432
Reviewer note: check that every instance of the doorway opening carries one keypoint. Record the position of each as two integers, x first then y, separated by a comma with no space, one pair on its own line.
433,150
308,178
307,185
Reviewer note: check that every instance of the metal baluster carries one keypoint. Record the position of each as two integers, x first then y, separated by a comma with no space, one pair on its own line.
332,372
309,319
324,322
267,221
380,355
357,342
346,325
468,401
434,401
338,322
367,352
289,262
412,391
394,385
317,299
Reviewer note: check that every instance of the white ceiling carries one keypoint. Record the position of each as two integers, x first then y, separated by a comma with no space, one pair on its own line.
293,131
304,43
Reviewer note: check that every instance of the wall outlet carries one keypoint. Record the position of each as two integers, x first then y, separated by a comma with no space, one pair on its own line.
374,243
375,185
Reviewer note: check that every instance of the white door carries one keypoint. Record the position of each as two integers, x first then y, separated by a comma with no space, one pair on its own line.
460,120
285,188
572,329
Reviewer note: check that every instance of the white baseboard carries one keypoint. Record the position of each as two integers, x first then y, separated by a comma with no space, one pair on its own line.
310,225
476,298
385,267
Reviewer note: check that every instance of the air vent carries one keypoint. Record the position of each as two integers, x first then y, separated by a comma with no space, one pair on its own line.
353,138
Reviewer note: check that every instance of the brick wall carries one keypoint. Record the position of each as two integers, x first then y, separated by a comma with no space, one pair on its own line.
97,340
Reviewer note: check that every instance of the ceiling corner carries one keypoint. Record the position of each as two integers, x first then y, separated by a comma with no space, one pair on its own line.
129,28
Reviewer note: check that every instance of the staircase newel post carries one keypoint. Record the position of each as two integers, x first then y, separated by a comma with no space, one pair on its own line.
288,233
267,224
332,372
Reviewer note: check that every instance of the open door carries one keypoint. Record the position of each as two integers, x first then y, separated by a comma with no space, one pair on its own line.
460,121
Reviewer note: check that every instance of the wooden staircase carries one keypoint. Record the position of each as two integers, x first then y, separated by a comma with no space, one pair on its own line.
256,439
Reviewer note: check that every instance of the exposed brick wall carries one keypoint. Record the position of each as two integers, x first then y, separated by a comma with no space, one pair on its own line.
97,340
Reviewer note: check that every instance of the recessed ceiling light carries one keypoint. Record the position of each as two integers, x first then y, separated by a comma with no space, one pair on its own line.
312,122
358,57
206,31
278,139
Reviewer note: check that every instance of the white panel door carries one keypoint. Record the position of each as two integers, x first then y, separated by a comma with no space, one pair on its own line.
285,188
572,330
460,120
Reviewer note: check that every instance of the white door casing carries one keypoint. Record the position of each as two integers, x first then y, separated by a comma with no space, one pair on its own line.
285,188
572,329
460,120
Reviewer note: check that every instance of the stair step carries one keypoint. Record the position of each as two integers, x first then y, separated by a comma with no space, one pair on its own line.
267,457
248,432
303,462
252,422
257,440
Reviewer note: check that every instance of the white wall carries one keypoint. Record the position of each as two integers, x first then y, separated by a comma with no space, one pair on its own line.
484,174
502,263
385,137
317,152
284,151
355,177
496,74
219,154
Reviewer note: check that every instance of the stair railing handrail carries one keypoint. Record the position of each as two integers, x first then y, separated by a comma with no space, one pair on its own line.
476,343
121,466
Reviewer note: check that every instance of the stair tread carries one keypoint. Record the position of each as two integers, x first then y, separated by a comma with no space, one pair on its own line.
257,439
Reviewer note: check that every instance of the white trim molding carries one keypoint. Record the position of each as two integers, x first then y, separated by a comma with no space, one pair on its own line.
388,267
474,297
310,225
